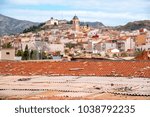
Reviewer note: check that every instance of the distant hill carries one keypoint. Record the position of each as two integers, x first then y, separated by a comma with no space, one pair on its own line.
135,25
10,25
13,26
93,24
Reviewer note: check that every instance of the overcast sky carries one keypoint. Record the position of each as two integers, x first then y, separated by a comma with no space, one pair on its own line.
109,12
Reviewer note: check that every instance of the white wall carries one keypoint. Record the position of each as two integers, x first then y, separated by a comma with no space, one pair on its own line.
144,47
129,44
5,56
52,22
56,47
110,46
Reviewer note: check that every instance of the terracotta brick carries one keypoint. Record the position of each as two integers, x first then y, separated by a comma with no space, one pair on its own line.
102,68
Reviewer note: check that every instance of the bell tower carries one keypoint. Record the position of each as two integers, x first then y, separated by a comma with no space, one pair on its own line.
75,23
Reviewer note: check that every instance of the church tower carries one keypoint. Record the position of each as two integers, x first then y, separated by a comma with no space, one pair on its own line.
75,23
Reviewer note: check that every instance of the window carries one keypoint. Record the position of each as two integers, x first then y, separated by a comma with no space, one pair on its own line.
7,53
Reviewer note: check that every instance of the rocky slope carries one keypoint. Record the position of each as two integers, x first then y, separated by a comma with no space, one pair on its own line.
93,24
13,26
135,25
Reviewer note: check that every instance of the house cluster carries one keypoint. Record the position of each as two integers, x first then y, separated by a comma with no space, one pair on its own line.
62,38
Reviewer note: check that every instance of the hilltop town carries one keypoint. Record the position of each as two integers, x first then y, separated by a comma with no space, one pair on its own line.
68,40
106,63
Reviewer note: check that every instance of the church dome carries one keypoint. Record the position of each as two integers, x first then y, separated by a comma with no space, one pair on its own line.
75,17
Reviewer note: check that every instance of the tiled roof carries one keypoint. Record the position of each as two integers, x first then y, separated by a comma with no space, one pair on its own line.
102,68
143,56
123,38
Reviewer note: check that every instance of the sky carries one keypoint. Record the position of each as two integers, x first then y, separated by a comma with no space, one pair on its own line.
109,12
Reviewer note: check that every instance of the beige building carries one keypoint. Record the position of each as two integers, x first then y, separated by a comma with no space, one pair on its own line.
7,54
141,39
85,28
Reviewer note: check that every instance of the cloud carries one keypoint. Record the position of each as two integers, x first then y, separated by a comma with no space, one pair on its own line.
121,6
110,12
43,15
85,3
36,2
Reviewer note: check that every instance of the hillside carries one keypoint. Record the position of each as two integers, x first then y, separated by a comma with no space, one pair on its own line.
62,26
13,26
93,24
135,25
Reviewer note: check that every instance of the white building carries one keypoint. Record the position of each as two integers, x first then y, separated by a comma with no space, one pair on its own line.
56,48
93,32
52,21
147,45
108,45
125,44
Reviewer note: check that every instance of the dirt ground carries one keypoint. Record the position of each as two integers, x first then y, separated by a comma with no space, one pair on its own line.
73,88
104,96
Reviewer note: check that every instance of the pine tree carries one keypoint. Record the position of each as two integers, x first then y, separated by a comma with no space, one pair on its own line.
31,54
26,53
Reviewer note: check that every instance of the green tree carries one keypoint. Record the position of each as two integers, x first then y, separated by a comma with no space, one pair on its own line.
138,52
124,54
44,55
26,53
34,28
7,45
70,45
69,22
115,55
19,53
31,55
58,53
34,55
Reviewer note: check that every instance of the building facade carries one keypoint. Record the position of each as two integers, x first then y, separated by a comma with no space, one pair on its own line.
7,54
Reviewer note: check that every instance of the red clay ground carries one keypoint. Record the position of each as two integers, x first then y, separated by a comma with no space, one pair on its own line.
102,68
